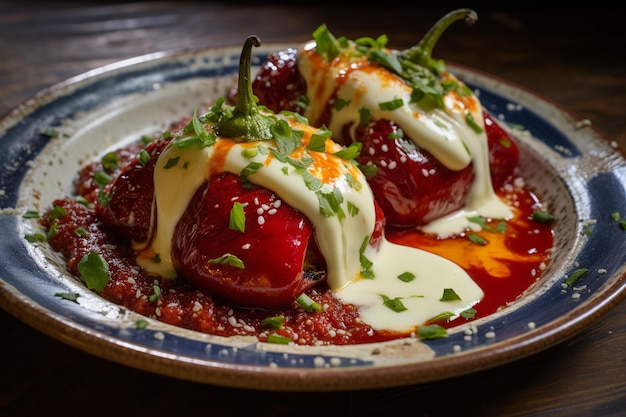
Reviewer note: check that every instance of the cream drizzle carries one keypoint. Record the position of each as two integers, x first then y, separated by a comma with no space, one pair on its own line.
339,241
442,132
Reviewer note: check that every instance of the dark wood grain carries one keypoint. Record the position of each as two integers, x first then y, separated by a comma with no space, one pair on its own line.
574,58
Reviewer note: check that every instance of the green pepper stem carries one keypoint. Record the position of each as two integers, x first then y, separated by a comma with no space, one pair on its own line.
245,99
421,53
246,123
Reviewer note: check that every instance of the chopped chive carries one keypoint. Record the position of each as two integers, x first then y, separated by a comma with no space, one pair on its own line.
277,339
542,216
576,275
308,304
275,322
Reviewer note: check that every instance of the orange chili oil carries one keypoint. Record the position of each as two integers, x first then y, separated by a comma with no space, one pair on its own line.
504,263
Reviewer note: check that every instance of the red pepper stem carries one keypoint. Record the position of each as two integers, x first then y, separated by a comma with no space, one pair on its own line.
421,53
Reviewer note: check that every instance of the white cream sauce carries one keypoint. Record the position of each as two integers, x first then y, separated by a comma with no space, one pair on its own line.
442,132
339,240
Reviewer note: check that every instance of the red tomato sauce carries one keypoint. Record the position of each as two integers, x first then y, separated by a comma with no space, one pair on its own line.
504,267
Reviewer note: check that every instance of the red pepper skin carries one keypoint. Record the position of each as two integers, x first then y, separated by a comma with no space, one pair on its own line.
406,196
129,208
503,152
273,251
279,85
411,186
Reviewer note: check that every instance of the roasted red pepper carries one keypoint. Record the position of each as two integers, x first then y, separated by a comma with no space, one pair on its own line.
281,258
412,193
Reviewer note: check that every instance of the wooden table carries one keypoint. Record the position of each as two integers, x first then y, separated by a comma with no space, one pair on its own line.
574,58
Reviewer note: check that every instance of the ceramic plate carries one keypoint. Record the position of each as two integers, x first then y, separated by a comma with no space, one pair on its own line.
577,172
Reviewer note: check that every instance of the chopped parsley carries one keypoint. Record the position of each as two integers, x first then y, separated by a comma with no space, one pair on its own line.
394,304
449,295
542,216
431,331
576,276
406,276
228,259
275,322
237,219
94,271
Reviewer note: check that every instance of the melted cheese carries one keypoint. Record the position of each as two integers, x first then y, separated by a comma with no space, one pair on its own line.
339,240
442,132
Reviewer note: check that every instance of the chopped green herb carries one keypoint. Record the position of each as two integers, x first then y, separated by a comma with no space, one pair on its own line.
326,44
391,105
171,163
617,218
446,315
365,116
110,161
80,231
275,322
50,132
449,295
542,216
104,198
406,276
277,339
308,304
318,140
366,264
472,123
479,240
431,331
394,304
35,238
340,104
71,296
52,231
250,152
469,313
143,157
228,259
147,140
505,142
351,152
576,275
368,170
250,169
57,212
330,203
31,214
353,210
156,259
94,271
141,324
237,217
156,293
101,178
397,134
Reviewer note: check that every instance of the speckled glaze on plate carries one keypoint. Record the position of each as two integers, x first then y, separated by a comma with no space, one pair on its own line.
567,163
